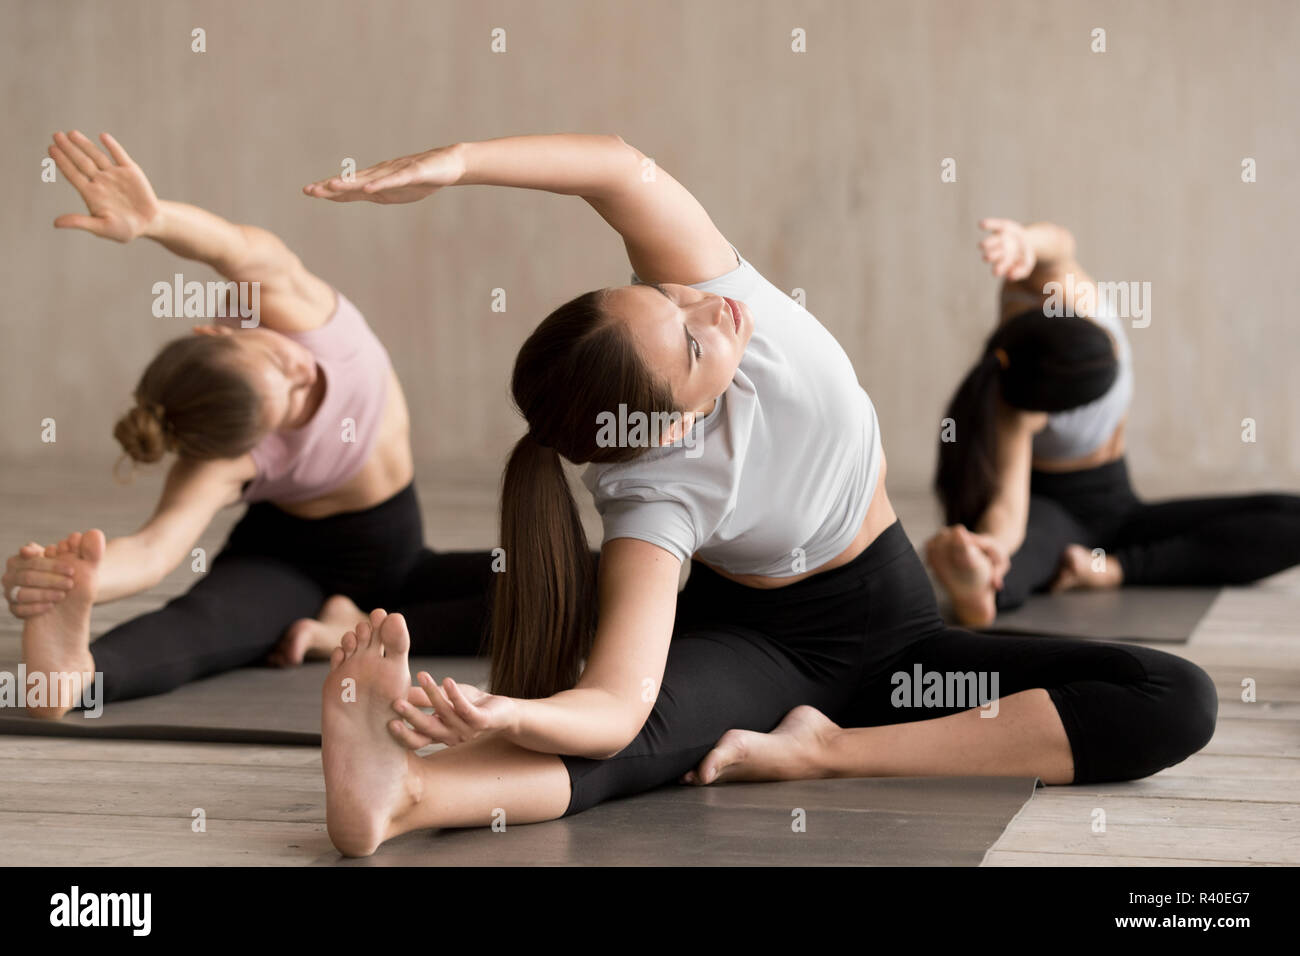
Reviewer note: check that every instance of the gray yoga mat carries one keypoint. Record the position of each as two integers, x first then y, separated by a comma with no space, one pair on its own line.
900,821
258,705
272,706
1165,615
881,822
888,822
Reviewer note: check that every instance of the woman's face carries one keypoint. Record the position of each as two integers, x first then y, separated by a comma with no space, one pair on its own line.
283,372
692,340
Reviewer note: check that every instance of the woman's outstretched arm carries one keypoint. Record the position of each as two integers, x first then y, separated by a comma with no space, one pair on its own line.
668,235
615,694
1026,258
121,205
194,492
605,711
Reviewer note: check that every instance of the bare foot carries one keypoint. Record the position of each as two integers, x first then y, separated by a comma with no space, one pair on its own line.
966,573
56,644
792,751
1081,571
314,638
368,776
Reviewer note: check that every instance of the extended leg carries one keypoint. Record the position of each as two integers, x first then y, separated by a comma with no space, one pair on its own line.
1209,541
231,618
377,789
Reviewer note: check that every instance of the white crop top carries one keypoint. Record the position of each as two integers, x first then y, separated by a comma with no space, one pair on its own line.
777,479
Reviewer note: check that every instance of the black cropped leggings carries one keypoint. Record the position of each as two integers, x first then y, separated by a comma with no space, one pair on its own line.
742,658
1232,539
276,568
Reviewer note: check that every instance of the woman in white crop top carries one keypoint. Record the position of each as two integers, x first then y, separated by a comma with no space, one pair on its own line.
719,421
1032,476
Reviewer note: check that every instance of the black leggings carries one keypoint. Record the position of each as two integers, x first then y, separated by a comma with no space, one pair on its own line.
1190,541
742,658
276,568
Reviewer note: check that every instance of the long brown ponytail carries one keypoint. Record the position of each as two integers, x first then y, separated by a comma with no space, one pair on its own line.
577,364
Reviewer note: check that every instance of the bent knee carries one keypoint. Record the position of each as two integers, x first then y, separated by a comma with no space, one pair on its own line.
1196,701
1185,713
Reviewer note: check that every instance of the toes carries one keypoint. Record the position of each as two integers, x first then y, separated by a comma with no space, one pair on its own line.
364,633
393,635
336,657
92,545
377,617
348,644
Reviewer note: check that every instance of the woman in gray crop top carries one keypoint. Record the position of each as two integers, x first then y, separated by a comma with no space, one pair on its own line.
720,422
1032,473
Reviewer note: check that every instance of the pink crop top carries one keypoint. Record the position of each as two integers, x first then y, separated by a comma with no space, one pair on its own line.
308,462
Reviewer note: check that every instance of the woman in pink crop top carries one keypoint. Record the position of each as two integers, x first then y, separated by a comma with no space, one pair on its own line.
290,405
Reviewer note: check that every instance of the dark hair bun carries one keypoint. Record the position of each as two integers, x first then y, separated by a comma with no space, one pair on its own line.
1054,363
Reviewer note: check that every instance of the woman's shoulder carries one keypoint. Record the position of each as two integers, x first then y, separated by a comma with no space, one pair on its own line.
344,336
660,474
739,275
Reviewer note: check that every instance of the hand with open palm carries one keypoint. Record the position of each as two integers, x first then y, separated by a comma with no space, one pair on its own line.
120,203
462,712
405,179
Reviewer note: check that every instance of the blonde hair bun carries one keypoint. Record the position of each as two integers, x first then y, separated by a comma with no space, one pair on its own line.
141,433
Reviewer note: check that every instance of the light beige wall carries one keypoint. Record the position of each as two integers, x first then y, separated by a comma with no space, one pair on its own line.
822,167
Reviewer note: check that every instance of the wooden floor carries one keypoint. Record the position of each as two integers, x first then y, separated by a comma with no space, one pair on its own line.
74,802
